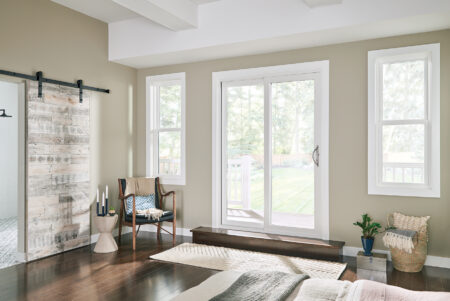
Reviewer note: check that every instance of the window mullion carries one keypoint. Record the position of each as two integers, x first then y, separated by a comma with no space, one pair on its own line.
267,153
404,122
157,124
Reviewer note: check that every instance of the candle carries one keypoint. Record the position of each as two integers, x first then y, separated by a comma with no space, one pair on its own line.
106,201
98,200
103,203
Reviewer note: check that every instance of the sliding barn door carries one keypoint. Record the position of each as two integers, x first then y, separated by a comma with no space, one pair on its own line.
58,215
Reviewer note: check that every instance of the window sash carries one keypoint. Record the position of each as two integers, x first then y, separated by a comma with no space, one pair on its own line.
154,129
380,88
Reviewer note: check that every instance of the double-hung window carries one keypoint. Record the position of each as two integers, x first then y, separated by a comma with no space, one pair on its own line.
404,135
166,128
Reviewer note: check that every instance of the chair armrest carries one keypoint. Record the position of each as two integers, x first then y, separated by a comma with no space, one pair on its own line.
127,196
168,193
134,202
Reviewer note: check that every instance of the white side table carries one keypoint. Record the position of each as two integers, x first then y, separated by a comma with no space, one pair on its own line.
106,242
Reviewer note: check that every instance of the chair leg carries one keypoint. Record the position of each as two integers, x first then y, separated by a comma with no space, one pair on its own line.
134,237
120,230
158,232
120,221
174,232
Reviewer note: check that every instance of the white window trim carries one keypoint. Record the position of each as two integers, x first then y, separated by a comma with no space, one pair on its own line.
322,69
432,146
152,116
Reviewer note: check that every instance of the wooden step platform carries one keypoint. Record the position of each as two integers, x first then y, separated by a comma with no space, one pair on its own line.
269,243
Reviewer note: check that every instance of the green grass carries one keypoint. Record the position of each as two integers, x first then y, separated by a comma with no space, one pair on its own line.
292,188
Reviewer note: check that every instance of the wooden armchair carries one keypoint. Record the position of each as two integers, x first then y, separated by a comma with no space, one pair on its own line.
133,219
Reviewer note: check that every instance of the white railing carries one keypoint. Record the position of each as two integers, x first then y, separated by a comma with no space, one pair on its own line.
238,182
400,170
169,166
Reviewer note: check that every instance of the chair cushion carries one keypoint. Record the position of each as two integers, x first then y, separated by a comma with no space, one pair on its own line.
143,202
123,185
142,219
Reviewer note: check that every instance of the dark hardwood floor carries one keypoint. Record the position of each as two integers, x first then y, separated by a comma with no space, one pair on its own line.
126,275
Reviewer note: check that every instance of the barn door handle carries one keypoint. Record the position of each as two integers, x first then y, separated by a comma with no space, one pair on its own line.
315,155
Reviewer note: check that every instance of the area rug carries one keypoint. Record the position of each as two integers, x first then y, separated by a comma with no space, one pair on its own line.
226,259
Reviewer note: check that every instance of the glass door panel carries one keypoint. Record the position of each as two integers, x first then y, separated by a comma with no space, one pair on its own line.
244,158
292,166
243,165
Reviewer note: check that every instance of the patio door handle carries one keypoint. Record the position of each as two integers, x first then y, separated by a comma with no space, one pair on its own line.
315,155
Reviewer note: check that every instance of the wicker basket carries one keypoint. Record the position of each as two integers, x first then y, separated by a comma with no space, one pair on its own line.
410,262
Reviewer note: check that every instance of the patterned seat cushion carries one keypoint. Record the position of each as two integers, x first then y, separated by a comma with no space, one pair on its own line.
143,202
141,219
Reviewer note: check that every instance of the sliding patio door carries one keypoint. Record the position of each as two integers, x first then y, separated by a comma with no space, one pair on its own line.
270,154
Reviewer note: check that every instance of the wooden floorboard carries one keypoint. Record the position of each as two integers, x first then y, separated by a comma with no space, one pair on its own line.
84,275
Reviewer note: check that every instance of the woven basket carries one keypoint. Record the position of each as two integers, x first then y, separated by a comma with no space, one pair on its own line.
410,262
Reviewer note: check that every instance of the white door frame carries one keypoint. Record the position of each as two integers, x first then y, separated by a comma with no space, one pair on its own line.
321,69
21,252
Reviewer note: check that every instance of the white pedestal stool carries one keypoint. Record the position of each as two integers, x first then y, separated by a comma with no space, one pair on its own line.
106,242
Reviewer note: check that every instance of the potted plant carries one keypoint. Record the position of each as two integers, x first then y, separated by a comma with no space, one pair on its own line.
112,211
369,230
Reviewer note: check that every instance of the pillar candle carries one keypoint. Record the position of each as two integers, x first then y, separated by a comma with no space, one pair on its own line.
98,200
103,203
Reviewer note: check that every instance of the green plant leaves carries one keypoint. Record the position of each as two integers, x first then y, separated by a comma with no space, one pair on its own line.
369,228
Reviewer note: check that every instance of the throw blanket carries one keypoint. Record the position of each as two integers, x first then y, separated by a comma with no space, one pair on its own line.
324,290
140,186
151,213
400,239
261,285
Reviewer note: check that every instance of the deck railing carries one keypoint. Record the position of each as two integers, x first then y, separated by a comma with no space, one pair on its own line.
404,172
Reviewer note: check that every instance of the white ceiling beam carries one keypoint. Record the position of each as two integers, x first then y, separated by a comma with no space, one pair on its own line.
175,14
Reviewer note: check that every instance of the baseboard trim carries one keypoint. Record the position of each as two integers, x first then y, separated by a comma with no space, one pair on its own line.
21,256
434,261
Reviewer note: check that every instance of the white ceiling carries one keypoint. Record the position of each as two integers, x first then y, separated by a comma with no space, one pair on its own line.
162,32
204,1
316,3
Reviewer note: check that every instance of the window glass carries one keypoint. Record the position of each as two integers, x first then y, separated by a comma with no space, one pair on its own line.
170,106
404,90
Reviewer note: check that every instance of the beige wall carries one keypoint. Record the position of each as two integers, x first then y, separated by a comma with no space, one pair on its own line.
66,45
348,137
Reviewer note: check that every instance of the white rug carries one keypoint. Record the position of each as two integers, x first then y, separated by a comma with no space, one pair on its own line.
225,259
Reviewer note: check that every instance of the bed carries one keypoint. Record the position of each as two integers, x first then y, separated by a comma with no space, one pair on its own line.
314,289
